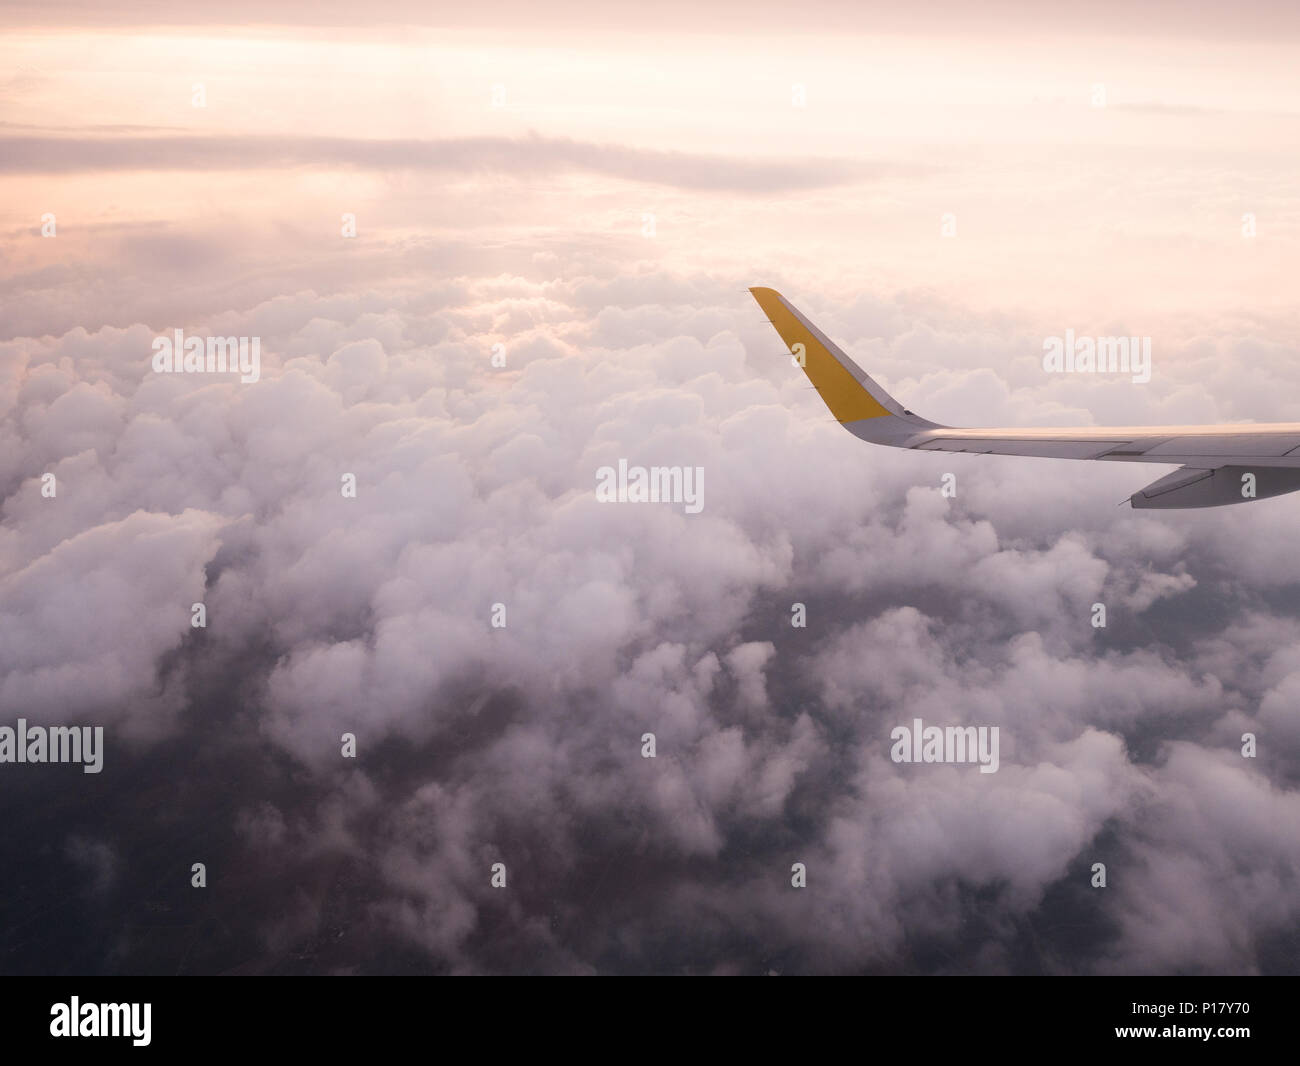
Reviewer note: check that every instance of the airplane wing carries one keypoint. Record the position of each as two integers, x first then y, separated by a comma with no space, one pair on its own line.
1219,464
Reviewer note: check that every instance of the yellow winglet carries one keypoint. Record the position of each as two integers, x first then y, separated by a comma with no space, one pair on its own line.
843,392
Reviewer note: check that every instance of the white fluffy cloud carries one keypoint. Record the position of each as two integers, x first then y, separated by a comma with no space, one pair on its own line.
373,615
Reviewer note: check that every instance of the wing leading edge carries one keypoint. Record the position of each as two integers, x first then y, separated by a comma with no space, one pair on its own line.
1221,464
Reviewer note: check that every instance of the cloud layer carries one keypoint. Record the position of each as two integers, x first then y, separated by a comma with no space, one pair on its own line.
522,745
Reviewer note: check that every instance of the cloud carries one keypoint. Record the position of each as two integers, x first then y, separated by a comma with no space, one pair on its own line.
87,623
522,158
522,744
1262,19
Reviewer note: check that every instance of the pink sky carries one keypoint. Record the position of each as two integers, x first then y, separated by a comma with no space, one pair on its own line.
1061,207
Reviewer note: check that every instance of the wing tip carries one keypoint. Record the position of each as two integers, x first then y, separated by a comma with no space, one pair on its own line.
766,298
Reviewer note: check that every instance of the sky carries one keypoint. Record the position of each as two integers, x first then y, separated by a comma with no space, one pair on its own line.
557,217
